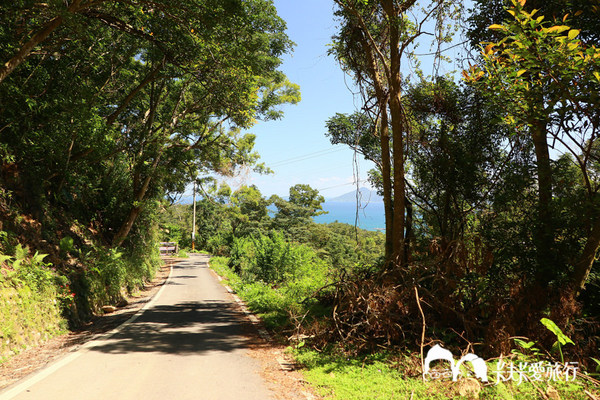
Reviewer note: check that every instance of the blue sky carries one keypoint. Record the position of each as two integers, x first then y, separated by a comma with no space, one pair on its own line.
296,147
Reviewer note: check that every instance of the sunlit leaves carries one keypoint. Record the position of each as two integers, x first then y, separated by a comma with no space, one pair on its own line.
126,101
558,29
533,55
573,33
498,27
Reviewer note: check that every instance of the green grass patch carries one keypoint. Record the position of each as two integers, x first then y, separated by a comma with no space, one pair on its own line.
220,266
386,376
272,302
182,254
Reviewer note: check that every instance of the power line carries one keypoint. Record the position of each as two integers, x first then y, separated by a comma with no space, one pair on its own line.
442,51
305,157
344,184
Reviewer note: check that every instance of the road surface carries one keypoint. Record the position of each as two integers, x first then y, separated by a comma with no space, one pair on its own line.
190,343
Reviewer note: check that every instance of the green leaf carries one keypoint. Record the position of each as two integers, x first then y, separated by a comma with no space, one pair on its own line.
523,344
4,258
573,33
558,28
552,327
21,252
38,258
497,27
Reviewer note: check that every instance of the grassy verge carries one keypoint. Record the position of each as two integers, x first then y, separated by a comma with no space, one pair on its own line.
268,303
276,304
384,376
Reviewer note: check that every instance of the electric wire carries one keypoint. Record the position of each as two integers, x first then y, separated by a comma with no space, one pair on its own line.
308,156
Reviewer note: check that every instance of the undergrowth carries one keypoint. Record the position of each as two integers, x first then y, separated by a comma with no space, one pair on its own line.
280,303
39,300
383,374
32,300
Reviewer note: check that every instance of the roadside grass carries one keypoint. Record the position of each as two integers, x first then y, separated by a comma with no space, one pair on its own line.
386,375
219,265
183,254
268,303
394,376
275,304
336,377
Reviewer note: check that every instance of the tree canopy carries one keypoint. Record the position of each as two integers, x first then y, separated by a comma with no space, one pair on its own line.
146,95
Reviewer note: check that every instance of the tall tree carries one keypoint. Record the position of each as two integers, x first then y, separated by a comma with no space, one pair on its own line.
293,216
136,93
552,79
375,37
456,157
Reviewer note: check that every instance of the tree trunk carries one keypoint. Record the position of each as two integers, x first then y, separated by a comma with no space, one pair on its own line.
26,49
149,78
125,228
384,139
398,125
408,237
386,177
399,189
588,256
544,235
135,210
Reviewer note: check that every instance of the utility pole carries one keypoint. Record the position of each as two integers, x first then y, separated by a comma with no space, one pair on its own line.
194,220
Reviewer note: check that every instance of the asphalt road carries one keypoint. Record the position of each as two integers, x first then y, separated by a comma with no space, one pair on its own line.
190,343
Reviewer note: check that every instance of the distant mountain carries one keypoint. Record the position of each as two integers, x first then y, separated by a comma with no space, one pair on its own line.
185,199
367,196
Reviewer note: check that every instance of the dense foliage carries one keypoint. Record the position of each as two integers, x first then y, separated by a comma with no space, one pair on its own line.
494,178
491,185
107,108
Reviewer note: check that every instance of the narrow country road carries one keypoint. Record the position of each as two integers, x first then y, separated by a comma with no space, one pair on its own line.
190,343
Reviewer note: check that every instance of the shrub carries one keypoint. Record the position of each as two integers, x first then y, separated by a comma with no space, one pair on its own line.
33,299
275,278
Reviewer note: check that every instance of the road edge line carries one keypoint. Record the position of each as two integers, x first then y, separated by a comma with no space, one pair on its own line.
256,321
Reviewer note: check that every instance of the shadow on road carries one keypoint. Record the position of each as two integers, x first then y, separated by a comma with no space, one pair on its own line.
187,328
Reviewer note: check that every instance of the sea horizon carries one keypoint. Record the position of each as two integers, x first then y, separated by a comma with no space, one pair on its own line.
371,217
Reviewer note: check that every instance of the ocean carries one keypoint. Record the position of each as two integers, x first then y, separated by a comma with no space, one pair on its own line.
371,217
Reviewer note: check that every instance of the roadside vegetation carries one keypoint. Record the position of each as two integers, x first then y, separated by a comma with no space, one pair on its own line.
271,252
106,110
109,110
291,281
